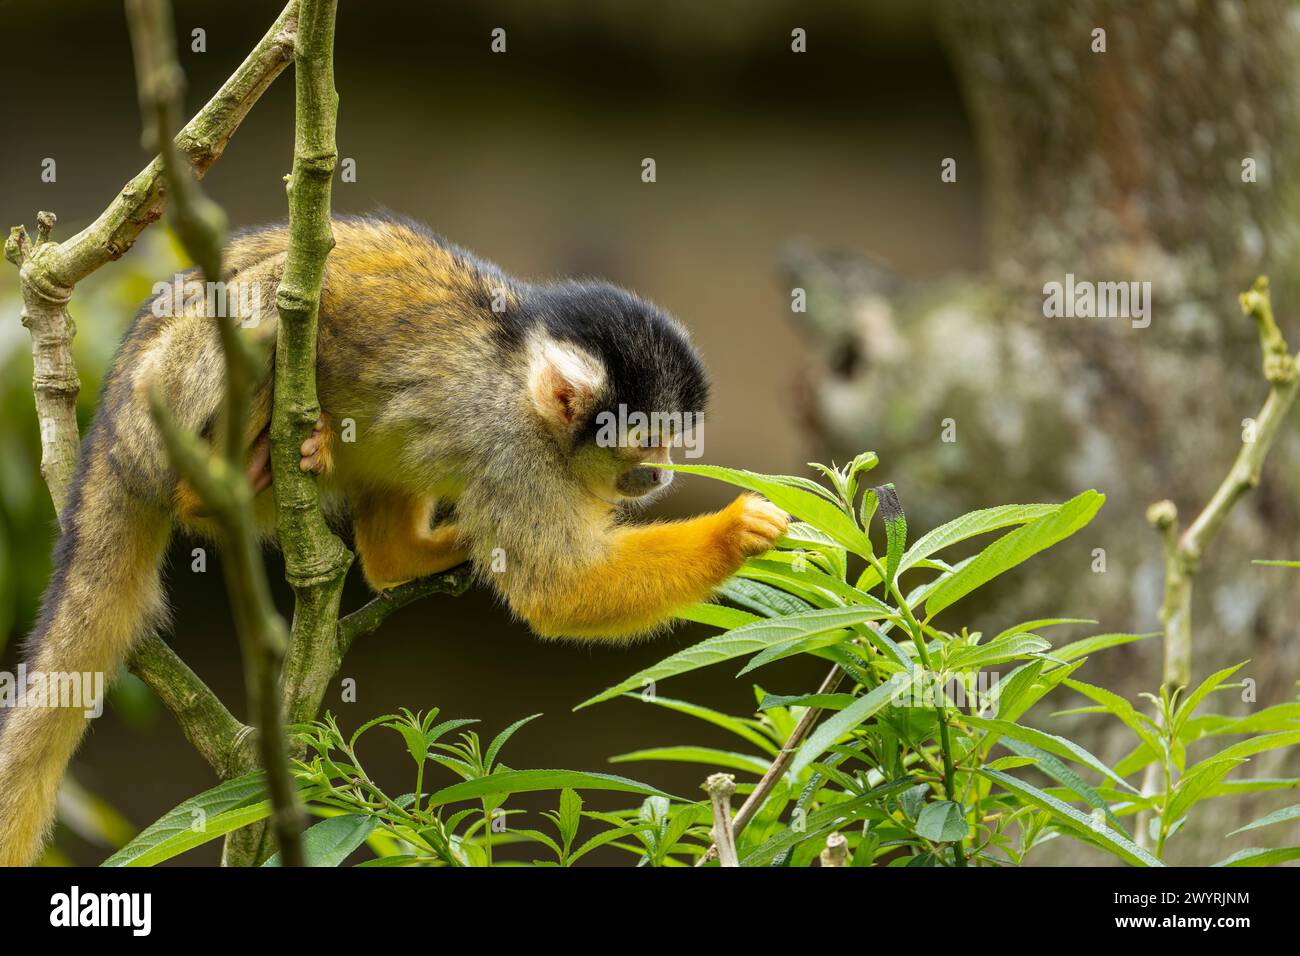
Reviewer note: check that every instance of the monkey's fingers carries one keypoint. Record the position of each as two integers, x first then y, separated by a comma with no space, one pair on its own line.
313,450
759,524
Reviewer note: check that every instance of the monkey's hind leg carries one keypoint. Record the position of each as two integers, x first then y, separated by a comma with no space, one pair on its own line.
190,507
396,542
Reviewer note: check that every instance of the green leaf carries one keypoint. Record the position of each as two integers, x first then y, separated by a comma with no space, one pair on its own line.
1011,763
1077,822
804,505
1196,785
970,525
570,815
1099,642
1250,747
996,652
742,641
1277,816
762,598
739,726
705,755
332,841
1231,788
942,822
499,741
1033,626
1120,708
817,823
526,781
1261,856
204,817
1049,742
840,723
1063,775
1014,548
1207,686
1026,685
824,701
416,745
812,585
599,840
717,615
891,512
804,537
1278,564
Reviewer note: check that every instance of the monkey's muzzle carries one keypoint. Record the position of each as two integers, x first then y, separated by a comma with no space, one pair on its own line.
643,480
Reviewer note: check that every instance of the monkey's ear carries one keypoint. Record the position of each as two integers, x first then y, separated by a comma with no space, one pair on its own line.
564,384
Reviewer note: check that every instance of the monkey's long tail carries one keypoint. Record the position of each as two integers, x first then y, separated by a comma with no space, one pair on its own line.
104,593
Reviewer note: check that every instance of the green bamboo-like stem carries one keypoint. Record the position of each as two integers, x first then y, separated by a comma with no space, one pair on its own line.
316,560
1184,550
219,479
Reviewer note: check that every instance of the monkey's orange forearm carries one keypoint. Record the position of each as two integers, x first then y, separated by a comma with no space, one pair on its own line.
652,572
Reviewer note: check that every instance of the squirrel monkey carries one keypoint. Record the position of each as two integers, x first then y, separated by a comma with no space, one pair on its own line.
470,392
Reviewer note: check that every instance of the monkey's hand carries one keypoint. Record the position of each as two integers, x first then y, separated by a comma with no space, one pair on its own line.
753,526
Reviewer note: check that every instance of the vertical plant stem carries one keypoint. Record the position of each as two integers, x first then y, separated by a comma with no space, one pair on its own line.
316,560
219,479
949,785
49,271
721,787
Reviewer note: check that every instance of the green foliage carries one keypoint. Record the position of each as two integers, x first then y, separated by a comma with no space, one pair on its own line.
901,763
412,829
915,749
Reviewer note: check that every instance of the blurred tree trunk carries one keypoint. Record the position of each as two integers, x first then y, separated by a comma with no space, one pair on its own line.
1128,165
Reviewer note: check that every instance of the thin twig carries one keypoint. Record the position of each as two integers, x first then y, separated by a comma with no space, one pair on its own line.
1183,552
48,272
780,763
222,740
368,617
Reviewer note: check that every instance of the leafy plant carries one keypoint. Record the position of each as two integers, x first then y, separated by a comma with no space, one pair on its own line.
913,747
414,828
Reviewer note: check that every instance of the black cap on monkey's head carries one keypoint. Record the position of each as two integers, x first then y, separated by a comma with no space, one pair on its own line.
623,354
